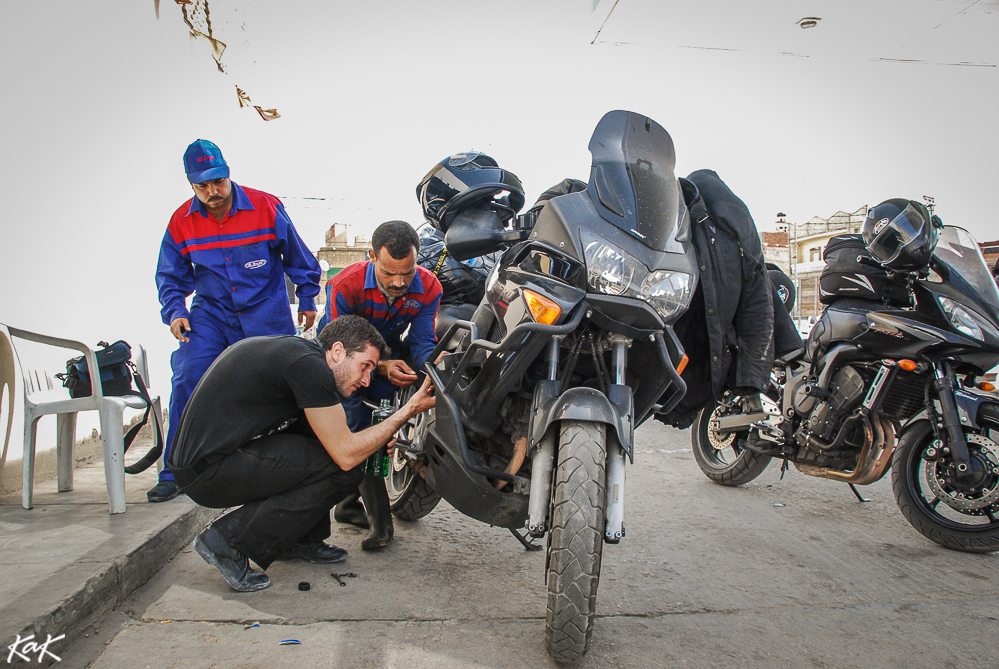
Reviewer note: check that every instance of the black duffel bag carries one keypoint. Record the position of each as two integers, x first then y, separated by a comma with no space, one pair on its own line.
846,276
114,362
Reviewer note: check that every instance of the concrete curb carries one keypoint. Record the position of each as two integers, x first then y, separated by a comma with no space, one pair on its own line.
112,582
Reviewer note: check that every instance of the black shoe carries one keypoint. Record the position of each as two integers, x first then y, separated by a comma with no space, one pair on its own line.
350,511
235,567
163,491
319,552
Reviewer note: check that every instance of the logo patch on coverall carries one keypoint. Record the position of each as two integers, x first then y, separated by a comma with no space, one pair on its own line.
254,264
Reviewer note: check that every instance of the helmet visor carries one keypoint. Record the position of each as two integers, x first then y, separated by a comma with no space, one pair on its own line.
890,237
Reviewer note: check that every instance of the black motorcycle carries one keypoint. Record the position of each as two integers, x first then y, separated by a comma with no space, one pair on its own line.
540,388
880,386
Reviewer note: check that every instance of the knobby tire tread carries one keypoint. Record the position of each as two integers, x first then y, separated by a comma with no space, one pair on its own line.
576,539
417,501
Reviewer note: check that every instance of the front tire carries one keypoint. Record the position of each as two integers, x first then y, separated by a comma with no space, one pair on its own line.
575,544
960,515
719,455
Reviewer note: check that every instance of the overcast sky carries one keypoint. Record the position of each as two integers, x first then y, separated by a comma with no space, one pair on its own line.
881,99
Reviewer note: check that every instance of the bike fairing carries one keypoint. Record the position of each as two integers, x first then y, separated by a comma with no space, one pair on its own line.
221,263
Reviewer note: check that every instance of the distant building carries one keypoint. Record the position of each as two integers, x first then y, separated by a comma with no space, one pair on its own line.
339,252
798,251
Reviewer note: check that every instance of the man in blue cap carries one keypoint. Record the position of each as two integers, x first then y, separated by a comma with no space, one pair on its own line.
231,246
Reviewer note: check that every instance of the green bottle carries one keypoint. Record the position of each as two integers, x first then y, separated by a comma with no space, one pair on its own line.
379,463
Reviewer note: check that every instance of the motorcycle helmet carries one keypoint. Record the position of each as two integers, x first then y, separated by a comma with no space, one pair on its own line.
464,179
900,235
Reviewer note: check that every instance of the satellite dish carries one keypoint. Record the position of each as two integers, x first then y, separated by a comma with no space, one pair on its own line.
323,265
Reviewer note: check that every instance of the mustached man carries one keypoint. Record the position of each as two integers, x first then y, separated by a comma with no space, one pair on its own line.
231,247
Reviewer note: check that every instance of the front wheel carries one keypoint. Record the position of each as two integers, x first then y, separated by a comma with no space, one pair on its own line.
720,456
575,543
962,514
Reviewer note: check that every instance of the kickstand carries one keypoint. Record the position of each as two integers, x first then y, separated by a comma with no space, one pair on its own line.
525,542
857,493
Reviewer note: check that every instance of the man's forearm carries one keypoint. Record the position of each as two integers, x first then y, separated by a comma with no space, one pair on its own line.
362,444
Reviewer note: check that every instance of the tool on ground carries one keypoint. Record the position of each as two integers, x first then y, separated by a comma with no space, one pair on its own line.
339,577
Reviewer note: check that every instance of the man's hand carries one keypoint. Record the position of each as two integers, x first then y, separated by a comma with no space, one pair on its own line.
178,327
308,317
421,400
398,373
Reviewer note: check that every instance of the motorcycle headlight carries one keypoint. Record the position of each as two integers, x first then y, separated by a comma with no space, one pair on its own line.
967,321
612,271
667,292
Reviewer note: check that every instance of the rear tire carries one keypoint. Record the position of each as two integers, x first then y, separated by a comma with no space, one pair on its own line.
575,544
730,465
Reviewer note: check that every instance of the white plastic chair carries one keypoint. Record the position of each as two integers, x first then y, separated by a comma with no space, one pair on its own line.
39,401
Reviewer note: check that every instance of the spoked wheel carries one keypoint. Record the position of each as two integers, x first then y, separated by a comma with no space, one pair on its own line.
957,513
720,456
575,543
410,496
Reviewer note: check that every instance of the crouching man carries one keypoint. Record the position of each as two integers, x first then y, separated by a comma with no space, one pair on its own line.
264,430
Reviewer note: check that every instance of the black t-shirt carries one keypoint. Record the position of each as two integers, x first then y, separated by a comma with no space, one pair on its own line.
255,386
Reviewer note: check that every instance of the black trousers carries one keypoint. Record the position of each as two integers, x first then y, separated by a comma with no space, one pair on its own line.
286,485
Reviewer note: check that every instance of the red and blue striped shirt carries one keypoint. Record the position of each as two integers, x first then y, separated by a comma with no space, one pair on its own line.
355,291
235,267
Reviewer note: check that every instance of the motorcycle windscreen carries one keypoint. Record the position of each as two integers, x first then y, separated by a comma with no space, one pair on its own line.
632,182
958,248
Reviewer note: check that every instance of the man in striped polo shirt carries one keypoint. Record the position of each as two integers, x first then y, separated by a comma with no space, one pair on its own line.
231,246
394,294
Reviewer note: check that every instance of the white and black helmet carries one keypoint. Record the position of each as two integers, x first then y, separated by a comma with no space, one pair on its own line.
900,235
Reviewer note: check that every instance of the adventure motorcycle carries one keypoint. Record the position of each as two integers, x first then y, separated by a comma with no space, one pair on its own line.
879,386
540,389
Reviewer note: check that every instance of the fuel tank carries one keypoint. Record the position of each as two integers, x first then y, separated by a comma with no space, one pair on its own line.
881,330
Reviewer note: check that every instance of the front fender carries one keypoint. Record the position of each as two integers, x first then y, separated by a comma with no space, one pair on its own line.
616,408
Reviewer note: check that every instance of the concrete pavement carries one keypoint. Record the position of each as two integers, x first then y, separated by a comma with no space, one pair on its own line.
791,573
66,563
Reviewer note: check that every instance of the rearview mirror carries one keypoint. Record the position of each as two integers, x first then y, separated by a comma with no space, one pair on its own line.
476,232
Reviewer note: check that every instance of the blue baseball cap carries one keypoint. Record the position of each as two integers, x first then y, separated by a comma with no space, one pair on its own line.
203,162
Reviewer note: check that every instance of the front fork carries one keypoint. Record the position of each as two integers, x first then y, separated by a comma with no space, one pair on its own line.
544,458
950,418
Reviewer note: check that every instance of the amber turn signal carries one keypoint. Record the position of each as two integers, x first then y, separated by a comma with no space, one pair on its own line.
907,365
543,310
683,364
987,386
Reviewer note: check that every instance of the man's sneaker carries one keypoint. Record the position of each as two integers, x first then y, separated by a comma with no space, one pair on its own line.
235,567
319,552
163,491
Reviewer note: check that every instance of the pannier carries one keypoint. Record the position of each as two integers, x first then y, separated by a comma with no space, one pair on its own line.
845,276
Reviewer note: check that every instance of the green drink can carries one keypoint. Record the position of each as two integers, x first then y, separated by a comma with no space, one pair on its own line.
379,463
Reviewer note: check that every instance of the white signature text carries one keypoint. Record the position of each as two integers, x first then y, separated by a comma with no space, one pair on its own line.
28,646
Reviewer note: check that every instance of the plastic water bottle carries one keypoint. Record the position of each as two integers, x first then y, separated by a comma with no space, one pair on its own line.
379,463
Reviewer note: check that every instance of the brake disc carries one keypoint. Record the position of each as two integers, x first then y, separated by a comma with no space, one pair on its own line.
942,486
719,442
